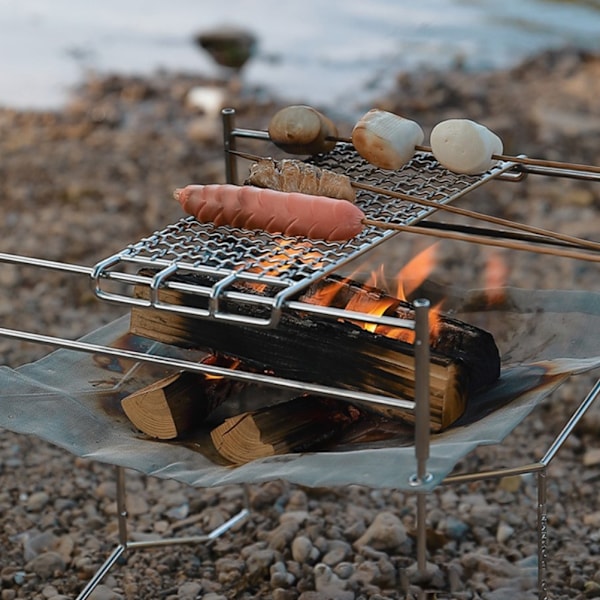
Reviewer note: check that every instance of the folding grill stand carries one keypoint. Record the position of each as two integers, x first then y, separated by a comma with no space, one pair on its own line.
125,544
420,406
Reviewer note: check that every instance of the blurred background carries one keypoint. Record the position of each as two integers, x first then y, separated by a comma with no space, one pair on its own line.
339,53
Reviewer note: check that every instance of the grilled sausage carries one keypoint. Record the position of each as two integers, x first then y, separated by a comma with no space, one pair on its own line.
249,207
291,175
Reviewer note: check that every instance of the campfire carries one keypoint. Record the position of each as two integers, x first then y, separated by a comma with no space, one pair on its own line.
276,307
248,348
268,313
350,352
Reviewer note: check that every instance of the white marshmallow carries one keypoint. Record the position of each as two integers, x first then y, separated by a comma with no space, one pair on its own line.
386,140
464,146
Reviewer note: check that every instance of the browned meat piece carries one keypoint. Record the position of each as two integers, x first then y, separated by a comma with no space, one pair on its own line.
290,175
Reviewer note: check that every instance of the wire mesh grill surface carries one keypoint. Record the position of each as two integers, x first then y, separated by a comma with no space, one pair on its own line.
226,255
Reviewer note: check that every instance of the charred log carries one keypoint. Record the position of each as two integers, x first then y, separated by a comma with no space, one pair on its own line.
304,424
339,353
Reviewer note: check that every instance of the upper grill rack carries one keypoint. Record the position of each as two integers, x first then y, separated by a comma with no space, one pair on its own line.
225,260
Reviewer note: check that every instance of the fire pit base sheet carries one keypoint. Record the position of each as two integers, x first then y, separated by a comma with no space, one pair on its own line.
72,399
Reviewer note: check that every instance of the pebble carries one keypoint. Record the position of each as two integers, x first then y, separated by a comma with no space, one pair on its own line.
49,591
280,576
258,563
454,528
387,532
47,565
283,594
37,501
339,551
592,519
229,570
190,590
137,505
432,575
591,457
326,578
344,570
380,573
282,535
303,550
35,542
504,532
485,515
103,592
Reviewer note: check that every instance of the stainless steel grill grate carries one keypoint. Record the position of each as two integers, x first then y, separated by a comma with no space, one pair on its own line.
226,256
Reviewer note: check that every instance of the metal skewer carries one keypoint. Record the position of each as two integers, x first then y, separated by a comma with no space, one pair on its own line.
523,160
536,162
485,241
530,229
480,216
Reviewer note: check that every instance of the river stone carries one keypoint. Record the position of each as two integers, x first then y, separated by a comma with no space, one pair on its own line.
46,564
387,532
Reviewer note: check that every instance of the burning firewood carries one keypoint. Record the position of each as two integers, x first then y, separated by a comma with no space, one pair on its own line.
340,353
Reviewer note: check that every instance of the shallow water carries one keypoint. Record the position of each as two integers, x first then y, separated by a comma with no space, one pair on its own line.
337,53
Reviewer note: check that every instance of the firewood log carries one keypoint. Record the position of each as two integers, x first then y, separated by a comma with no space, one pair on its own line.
306,423
316,349
174,405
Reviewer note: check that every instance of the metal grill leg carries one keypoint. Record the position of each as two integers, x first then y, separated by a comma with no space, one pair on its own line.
121,547
125,544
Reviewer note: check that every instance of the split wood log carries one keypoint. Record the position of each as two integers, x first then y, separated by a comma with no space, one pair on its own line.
341,354
303,424
175,405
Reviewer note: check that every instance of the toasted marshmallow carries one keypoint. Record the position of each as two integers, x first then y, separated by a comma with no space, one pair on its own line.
386,140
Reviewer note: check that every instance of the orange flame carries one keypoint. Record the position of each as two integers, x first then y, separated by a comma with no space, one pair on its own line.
406,282
415,271
385,299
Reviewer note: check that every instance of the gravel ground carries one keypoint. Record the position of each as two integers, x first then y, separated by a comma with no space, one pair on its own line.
80,184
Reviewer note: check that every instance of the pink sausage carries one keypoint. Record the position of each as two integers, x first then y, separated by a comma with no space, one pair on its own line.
249,207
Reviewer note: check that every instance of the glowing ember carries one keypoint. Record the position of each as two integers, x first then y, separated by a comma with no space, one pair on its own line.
382,300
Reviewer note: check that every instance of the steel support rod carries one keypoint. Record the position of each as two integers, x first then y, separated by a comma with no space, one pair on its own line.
124,543
493,473
192,539
571,424
422,423
422,409
186,365
43,263
121,505
228,117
